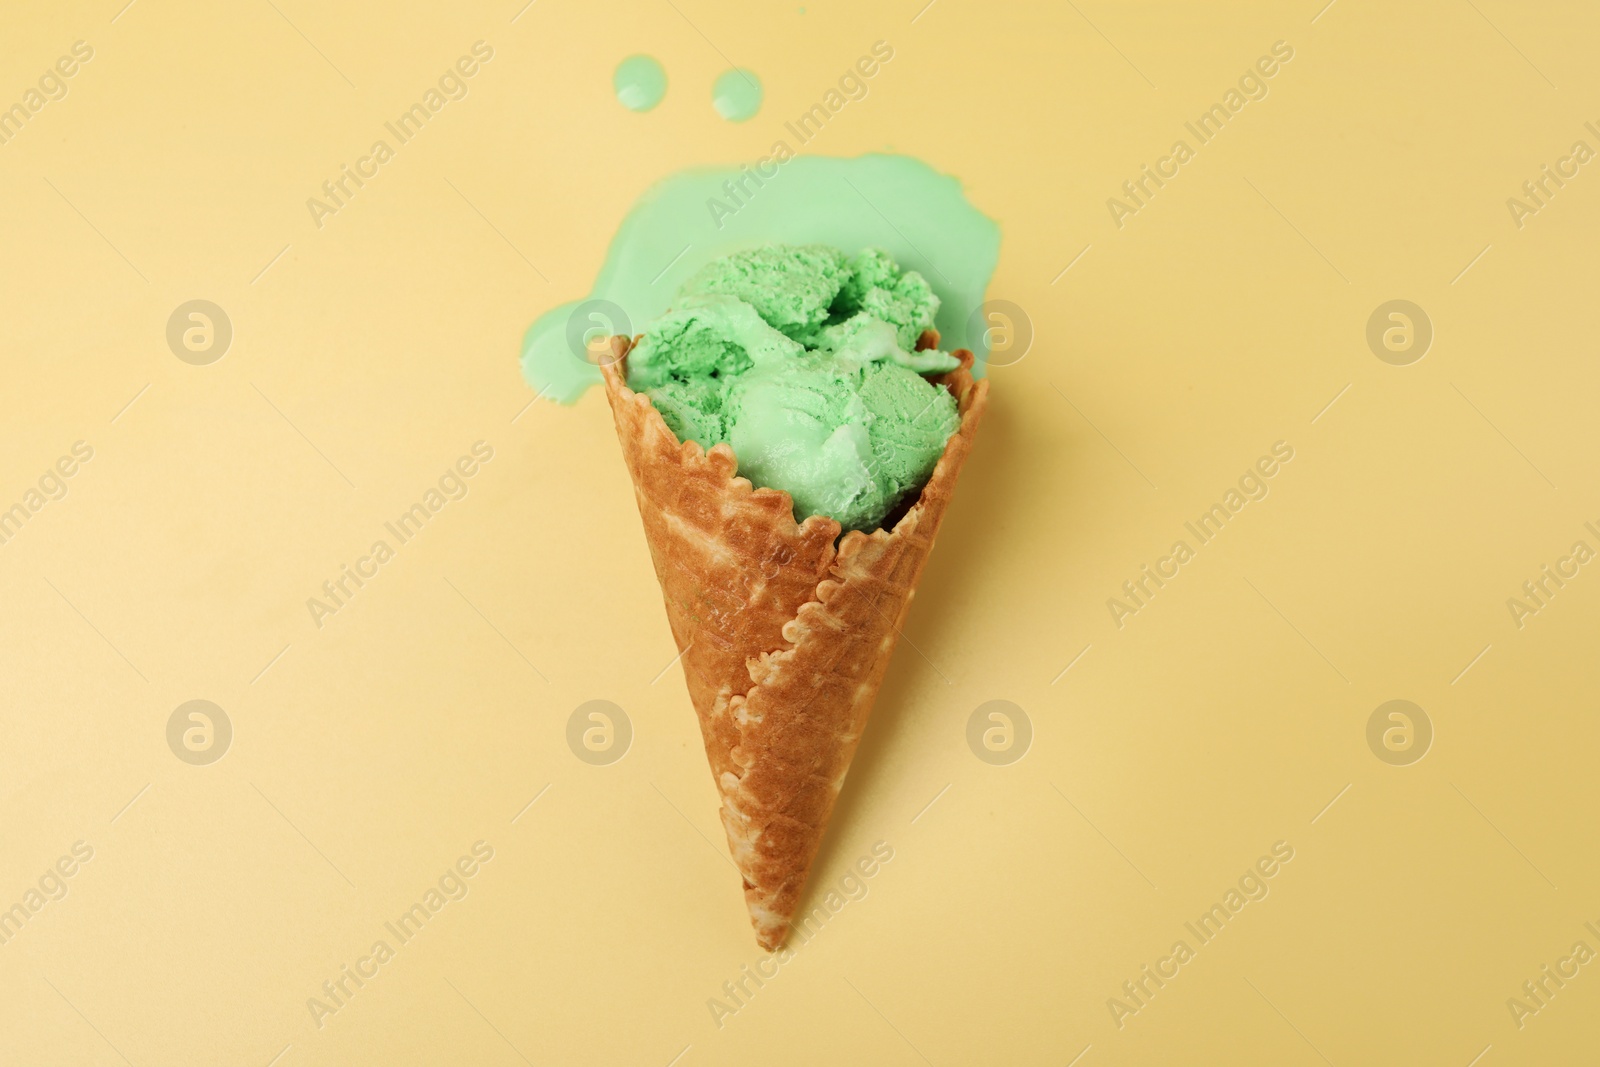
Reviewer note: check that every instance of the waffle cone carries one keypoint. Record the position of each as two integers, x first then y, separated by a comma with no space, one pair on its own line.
784,637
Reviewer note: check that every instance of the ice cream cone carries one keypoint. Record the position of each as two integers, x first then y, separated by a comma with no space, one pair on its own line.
784,637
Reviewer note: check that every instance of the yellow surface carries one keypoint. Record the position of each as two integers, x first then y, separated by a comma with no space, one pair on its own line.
1226,715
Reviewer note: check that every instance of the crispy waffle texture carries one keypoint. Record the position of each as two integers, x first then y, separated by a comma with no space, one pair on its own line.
784,637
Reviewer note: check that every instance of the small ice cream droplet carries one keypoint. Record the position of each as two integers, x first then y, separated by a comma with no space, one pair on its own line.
736,95
640,83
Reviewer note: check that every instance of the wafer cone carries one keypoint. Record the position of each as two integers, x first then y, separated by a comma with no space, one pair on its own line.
784,636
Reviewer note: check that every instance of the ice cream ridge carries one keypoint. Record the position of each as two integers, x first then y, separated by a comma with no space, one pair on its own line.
806,362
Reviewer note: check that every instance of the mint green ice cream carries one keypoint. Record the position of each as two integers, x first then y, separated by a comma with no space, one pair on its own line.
804,362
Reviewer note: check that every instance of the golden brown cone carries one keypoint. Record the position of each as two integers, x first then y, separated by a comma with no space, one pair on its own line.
784,639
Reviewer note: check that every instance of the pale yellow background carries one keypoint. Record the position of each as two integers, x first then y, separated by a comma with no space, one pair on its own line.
370,753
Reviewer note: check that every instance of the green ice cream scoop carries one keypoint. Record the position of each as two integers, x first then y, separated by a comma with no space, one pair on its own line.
910,423
792,287
692,409
803,428
706,337
844,423
843,441
876,286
